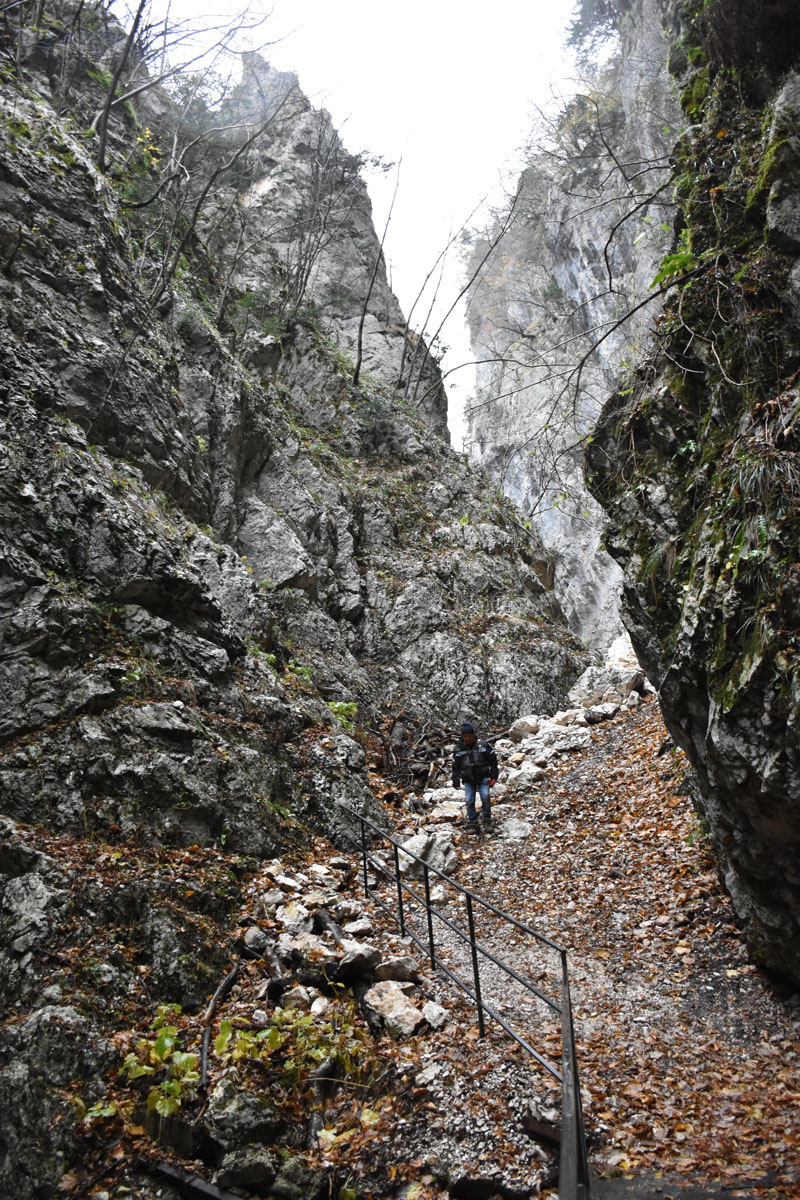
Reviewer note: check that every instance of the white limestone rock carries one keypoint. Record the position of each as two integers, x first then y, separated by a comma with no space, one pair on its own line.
523,727
435,1015
388,1000
433,847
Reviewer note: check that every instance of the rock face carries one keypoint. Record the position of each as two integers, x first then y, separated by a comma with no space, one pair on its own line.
697,463
587,228
211,534
230,541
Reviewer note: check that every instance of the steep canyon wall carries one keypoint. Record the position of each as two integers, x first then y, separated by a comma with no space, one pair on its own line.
695,459
692,463
224,559
549,324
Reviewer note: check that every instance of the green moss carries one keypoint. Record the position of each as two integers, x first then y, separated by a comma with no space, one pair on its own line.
18,129
773,161
695,94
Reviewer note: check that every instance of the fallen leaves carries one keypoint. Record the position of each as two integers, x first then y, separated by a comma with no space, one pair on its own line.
687,1056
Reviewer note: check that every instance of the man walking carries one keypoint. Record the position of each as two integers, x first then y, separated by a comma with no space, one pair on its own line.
474,765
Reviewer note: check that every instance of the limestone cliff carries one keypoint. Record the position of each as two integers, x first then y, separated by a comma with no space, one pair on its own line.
587,228
233,558
205,514
695,459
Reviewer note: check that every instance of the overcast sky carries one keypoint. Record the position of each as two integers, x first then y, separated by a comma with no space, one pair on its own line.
447,87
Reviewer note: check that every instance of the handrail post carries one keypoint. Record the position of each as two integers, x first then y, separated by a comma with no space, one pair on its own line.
474,948
399,890
426,878
574,1179
364,854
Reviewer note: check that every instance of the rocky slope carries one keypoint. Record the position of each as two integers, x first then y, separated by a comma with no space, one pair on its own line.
206,521
589,224
695,460
224,561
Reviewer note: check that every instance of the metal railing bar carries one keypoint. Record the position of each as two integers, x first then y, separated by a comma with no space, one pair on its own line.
498,962
451,974
531,987
364,853
457,930
399,882
575,1180
487,904
475,969
429,914
574,1174
548,1066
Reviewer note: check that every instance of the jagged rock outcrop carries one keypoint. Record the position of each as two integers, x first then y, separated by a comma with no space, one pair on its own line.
588,225
202,549
697,461
221,555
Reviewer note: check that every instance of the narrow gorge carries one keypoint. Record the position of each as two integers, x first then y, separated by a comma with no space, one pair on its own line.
248,591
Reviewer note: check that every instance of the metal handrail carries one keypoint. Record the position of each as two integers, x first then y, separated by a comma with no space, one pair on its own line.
574,1174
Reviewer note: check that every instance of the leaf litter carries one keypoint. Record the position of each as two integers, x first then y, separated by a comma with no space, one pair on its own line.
689,1056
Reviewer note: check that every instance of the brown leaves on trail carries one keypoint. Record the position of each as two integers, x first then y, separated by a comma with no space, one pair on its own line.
690,1061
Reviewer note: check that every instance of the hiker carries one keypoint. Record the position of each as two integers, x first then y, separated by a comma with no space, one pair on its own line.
475,765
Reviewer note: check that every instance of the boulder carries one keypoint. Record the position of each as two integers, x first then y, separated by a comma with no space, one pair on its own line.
295,917
515,829
402,969
617,678
302,947
235,1118
526,775
361,927
601,712
441,795
296,1180
251,1168
256,939
448,810
296,997
358,958
523,727
432,847
398,1014
435,1015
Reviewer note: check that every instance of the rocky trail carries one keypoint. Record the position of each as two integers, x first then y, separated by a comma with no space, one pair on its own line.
689,1056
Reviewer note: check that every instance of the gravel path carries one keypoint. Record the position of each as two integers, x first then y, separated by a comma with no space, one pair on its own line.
689,1056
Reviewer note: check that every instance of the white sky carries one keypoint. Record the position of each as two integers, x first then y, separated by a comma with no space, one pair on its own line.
446,87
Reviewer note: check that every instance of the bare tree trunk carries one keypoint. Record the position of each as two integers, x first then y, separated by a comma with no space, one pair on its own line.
102,124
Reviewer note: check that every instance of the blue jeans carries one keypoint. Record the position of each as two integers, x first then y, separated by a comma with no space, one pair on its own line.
486,804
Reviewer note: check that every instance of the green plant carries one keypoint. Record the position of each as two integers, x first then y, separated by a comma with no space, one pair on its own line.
297,672
699,832
161,1056
345,712
295,1044
681,261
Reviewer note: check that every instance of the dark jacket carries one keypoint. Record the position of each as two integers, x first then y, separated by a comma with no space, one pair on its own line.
473,763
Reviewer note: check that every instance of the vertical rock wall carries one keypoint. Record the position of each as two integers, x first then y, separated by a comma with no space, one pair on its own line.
588,226
212,533
696,460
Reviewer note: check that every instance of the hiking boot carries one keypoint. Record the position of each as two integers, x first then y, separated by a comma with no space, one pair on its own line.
486,824
472,826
